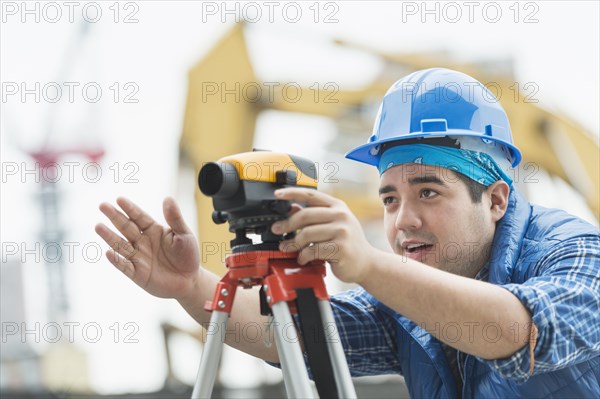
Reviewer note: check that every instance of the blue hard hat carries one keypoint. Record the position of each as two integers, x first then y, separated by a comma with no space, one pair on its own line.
438,102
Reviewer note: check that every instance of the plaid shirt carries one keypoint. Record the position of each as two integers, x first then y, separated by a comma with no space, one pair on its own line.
562,293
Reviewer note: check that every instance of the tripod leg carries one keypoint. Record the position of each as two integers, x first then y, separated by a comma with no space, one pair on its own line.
211,355
287,376
290,355
336,353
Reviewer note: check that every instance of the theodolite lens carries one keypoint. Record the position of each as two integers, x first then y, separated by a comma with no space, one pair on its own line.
219,180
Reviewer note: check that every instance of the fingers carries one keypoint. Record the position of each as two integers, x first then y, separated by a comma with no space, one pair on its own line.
173,216
125,225
307,236
313,242
295,208
307,217
125,266
118,244
308,196
326,251
136,214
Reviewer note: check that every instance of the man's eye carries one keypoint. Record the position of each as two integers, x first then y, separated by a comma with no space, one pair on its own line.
428,193
388,200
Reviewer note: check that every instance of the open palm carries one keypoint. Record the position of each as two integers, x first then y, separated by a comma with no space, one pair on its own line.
162,260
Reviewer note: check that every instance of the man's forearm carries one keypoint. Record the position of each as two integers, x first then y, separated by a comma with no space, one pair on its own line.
472,316
243,322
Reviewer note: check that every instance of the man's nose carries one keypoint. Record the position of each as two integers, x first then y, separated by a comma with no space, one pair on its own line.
407,218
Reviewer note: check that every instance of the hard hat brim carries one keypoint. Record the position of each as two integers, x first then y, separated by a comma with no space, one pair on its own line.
364,153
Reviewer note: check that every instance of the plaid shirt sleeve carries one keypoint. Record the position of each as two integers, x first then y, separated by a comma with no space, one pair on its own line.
368,334
564,301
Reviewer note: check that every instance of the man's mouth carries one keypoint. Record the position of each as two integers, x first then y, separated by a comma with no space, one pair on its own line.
417,247
416,250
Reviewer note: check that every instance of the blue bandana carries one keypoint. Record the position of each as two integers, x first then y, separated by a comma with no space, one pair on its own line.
478,166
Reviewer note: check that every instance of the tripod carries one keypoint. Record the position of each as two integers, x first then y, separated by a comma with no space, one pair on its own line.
286,287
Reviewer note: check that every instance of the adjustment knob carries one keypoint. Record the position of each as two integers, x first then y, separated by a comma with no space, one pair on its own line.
219,217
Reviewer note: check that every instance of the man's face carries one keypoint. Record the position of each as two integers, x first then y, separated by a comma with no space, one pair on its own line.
429,217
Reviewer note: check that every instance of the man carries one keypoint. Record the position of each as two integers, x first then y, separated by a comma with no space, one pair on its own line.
485,295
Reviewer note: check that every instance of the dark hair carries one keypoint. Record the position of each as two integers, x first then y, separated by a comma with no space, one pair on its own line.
476,189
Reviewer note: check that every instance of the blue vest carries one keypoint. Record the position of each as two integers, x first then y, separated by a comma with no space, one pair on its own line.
523,236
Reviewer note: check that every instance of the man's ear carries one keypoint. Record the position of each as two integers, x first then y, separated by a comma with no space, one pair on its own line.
498,196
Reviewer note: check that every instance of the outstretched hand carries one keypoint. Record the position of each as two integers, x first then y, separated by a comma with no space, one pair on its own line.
164,261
